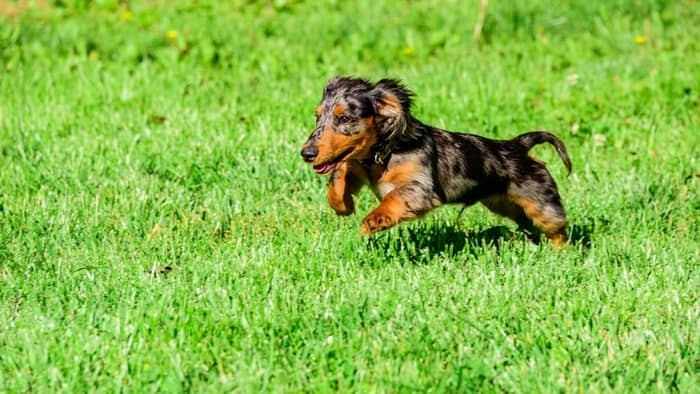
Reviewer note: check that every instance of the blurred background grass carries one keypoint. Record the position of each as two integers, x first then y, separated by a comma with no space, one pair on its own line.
140,134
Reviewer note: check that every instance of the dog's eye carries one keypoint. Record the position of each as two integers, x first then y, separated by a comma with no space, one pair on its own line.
343,119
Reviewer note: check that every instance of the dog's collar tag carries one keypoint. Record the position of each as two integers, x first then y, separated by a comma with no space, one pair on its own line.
378,158
381,154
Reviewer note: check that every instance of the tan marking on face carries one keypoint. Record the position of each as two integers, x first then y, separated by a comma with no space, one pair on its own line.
339,109
319,109
333,144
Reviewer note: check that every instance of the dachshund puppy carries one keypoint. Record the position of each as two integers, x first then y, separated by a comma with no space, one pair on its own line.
366,135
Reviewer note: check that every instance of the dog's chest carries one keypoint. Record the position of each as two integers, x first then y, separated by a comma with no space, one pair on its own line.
381,189
379,185
384,180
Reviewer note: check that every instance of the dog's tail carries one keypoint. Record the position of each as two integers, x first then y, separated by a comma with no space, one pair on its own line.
528,140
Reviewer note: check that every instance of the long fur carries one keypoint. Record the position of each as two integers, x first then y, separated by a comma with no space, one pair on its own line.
366,135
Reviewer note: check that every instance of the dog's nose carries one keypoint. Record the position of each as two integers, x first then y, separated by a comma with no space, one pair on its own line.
309,153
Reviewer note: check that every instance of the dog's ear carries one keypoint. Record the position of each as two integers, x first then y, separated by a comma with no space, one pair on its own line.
392,106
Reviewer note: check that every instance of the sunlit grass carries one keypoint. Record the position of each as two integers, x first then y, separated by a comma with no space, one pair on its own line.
159,231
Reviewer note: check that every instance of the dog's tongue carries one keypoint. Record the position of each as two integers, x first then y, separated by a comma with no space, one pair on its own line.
324,169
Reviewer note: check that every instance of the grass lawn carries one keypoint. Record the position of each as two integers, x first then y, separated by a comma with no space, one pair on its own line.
160,232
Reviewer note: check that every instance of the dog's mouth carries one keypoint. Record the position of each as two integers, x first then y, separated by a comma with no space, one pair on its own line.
327,167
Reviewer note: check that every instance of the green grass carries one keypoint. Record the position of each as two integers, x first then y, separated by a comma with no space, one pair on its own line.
123,151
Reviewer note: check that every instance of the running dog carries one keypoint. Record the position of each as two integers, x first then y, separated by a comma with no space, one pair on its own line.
366,135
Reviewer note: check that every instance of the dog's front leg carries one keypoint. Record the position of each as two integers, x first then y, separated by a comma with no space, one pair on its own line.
403,203
345,181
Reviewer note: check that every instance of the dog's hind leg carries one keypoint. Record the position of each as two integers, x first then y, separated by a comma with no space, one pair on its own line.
535,192
502,205
546,214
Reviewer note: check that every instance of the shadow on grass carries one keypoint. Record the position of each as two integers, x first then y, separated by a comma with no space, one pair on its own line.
580,234
420,243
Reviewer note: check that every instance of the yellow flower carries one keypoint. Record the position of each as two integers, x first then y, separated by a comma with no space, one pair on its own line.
408,51
640,40
127,15
171,35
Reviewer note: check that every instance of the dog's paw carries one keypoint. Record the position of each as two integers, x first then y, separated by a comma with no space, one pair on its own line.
376,221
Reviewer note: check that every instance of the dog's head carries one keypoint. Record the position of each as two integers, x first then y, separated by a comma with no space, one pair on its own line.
354,116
